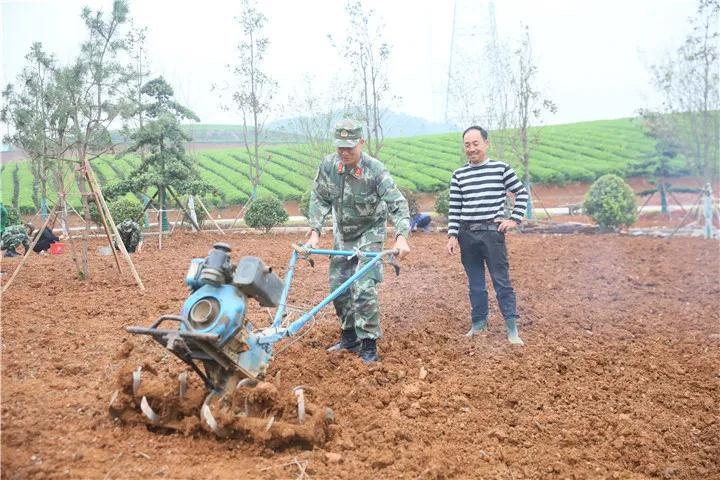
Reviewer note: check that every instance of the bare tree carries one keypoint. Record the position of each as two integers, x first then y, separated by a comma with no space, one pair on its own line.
313,115
367,54
689,84
529,108
254,90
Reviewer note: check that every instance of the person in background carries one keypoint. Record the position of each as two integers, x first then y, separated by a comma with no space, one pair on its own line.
420,221
360,193
47,238
14,236
477,226
131,235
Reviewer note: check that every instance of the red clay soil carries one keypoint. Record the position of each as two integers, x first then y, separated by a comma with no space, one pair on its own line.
619,377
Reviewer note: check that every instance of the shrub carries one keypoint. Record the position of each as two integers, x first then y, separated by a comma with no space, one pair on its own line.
610,203
304,204
13,216
95,214
266,213
120,209
27,209
126,207
442,204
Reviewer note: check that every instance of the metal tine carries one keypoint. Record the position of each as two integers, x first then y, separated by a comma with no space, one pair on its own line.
300,396
207,415
183,378
246,382
114,397
250,383
148,411
270,423
136,380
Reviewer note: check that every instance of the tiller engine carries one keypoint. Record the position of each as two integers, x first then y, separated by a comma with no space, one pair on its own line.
215,338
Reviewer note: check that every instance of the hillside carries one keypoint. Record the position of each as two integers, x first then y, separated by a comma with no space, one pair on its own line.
394,125
564,153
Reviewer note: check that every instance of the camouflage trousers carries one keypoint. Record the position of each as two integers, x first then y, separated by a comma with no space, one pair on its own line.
358,307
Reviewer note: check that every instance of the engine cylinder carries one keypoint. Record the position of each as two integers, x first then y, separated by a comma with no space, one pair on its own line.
218,265
204,312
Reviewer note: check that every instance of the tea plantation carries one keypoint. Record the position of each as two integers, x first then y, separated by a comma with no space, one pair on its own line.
563,153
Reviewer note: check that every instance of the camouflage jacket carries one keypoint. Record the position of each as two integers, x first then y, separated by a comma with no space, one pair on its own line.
14,236
130,233
360,201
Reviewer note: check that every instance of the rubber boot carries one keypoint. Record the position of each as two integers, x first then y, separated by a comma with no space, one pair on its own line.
368,351
512,331
348,341
478,326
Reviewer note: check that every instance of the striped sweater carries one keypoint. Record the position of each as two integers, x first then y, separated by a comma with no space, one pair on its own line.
477,193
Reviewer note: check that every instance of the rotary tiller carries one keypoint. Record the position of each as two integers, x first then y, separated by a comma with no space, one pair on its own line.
215,339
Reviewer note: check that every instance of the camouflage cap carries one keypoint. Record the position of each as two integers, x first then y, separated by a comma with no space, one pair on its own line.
348,133
126,225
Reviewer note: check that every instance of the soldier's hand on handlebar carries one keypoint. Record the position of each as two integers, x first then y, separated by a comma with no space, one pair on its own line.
401,246
313,239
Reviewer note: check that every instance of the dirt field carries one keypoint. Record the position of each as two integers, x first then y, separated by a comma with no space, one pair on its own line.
619,378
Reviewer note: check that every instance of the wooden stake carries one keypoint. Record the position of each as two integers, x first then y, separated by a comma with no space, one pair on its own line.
209,216
101,199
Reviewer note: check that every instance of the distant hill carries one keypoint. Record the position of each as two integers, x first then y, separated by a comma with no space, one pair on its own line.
209,133
394,125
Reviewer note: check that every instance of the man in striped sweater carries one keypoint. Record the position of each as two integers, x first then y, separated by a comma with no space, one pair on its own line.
477,226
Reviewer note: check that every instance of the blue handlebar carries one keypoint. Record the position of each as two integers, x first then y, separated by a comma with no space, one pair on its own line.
275,333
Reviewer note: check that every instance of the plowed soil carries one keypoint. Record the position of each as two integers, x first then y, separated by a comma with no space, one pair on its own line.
619,378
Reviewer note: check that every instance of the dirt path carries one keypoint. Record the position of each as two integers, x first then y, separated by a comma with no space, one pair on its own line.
620,377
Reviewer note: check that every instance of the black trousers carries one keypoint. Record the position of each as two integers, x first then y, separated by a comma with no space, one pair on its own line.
482,245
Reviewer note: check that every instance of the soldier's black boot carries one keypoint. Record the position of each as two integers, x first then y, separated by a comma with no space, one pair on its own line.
368,351
348,341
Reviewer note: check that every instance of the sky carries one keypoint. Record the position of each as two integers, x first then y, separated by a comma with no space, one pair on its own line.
593,56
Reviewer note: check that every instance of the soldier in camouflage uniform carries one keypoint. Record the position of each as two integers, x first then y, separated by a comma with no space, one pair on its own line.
360,193
14,236
4,218
131,235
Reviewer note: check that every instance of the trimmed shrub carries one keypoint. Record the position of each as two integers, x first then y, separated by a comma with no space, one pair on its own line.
266,213
442,204
94,213
120,209
126,207
27,209
13,216
610,203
